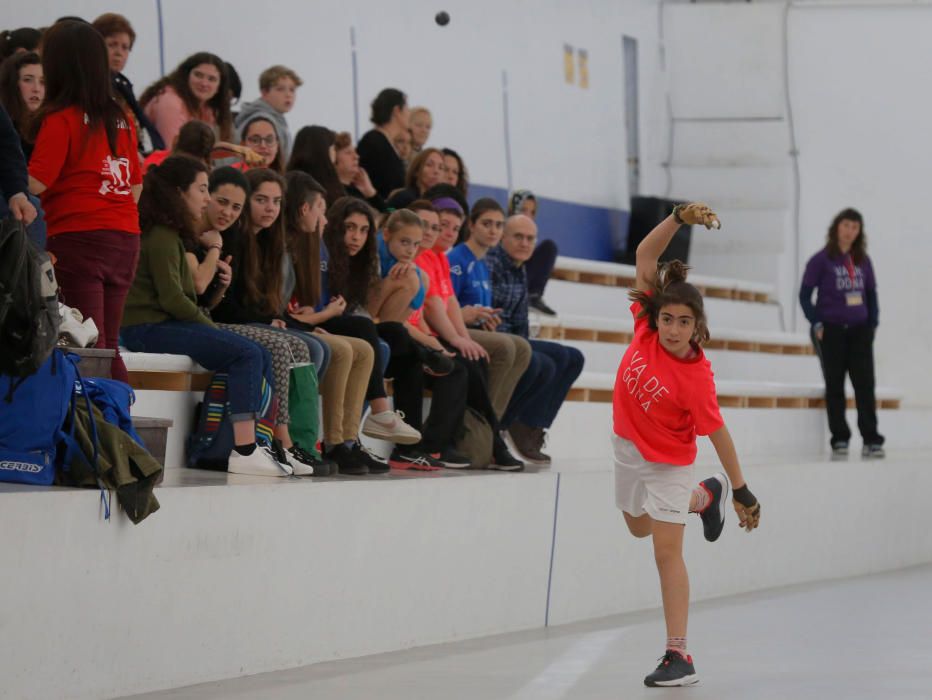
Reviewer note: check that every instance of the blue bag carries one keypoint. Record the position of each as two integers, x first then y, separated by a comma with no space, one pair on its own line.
113,399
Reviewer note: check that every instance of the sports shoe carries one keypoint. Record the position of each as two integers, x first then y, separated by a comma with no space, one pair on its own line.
502,459
374,463
839,449
306,464
536,302
348,463
435,362
873,452
390,426
527,442
674,670
262,462
413,458
713,515
452,459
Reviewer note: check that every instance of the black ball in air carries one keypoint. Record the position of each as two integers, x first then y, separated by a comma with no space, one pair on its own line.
442,18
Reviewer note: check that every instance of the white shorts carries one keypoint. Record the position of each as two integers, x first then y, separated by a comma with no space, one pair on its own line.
660,490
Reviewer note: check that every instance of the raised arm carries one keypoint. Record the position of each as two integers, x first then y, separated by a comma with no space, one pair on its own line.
655,242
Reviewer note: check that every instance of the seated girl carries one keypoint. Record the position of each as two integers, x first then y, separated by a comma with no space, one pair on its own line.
162,316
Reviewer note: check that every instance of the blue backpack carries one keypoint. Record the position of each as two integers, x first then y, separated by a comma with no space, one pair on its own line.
33,412
113,399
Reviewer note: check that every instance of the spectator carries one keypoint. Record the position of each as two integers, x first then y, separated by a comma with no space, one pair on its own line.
162,313
377,152
352,175
443,317
260,135
542,261
197,89
509,355
425,171
14,178
22,90
553,368
278,86
198,140
212,278
455,172
844,322
353,274
343,387
20,40
402,143
86,168
314,153
419,123
119,37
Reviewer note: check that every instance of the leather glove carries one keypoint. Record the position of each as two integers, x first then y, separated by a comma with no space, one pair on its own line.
747,507
696,213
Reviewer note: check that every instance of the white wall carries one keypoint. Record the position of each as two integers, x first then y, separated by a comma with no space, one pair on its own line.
567,143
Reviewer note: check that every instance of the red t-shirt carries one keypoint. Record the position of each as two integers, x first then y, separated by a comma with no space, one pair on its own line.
662,402
437,269
88,188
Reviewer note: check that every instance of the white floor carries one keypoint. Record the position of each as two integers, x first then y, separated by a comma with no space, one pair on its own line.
863,638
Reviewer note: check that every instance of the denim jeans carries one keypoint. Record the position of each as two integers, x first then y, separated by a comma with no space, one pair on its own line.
215,349
543,387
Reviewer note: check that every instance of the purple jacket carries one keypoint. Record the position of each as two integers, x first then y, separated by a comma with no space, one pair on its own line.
841,298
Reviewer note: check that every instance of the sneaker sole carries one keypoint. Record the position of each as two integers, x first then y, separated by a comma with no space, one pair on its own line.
410,466
500,468
726,487
685,680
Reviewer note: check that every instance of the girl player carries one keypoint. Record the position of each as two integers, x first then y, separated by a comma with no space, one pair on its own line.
665,397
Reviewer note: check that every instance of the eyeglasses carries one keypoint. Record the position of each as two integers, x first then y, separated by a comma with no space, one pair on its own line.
259,140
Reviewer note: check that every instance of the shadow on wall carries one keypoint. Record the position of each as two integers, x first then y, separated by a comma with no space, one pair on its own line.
580,230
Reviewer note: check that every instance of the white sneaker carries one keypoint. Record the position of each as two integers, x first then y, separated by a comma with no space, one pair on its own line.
390,426
261,462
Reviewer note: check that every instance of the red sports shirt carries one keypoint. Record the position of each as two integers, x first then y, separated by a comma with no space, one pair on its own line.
88,188
435,266
662,402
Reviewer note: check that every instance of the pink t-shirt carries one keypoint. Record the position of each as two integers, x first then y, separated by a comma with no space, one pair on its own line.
168,112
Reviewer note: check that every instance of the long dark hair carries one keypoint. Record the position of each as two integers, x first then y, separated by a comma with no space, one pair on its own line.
260,254
77,74
858,248
178,79
196,139
13,40
161,203
462,180
311,154
10,95
671,287
356,277
304,247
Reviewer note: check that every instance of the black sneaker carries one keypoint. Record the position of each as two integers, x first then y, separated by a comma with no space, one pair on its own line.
320,465
839,449
537,303
374,463
406,457
435,362
873,452
503,460
452,459
713,517
346,460
674,670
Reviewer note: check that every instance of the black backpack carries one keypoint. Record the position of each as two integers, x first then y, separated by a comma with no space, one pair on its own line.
29,313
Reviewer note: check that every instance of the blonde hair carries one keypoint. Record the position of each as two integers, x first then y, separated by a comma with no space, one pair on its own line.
419,110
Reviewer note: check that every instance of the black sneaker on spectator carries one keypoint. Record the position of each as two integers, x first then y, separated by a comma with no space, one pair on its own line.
435,362
536,302
873,452
452,459
527,442
713,517
674,670
346,460
374,463
318,467
408,457
840,449
262,462
502,459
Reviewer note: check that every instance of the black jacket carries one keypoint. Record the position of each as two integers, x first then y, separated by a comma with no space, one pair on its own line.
124,88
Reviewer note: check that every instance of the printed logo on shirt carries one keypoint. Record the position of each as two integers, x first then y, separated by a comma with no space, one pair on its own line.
323,265
843,279
456,270
646,388
115,172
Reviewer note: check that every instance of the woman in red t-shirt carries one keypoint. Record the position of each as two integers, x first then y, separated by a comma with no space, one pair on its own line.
665,397
85,166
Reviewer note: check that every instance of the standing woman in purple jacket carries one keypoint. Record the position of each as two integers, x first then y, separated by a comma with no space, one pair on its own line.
844,321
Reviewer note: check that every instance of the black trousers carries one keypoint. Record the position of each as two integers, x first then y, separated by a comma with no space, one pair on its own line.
849,350
448,402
